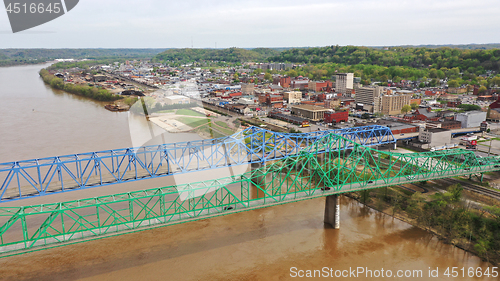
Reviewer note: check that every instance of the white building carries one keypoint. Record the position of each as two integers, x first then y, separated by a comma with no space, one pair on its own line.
471,119
176,100
435,137
343,82
293,97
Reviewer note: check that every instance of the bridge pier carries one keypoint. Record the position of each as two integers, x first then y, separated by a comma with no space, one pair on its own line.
259,182
332,211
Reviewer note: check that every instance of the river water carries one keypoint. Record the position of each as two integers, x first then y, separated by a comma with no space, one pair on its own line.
266,244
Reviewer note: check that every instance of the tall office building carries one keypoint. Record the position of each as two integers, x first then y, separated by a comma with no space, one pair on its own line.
370,98
392,104
343,82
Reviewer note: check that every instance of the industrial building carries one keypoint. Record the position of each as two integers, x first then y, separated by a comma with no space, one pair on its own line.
471,119
435,137
288,118
176,99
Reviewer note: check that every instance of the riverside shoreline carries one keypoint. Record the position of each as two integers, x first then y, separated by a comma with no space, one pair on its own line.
402,216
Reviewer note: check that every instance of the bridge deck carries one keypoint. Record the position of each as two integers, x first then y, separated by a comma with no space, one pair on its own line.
322,169
39,177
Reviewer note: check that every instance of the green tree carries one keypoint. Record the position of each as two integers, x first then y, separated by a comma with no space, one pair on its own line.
292,73
469,107
453,84
433,82
414,105
406,108
268,76
482,89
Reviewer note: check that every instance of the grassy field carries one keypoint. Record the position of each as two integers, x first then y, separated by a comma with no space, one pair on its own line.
166,111
189,112
222,124
193,122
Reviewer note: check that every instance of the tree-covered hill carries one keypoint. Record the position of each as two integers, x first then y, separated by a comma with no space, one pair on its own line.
29,56
464,59
228,55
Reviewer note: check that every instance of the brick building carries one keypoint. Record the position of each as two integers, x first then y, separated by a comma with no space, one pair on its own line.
336,117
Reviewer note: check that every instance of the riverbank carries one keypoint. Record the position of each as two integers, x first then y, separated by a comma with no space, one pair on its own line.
81,90
446,214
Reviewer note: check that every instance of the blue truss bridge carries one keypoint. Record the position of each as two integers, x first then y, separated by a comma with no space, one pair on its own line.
39,177
330,166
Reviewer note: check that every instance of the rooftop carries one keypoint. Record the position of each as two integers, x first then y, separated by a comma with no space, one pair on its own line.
310,107
436,130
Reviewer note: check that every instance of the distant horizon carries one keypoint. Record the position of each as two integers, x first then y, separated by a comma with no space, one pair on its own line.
282,47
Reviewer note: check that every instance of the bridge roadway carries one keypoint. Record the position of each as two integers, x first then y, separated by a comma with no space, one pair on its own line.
322,169
39,177
454,132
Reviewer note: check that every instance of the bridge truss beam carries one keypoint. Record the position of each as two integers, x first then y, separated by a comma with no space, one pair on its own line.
332,165
38,177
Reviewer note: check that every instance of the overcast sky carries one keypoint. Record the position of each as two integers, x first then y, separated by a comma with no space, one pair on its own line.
261,23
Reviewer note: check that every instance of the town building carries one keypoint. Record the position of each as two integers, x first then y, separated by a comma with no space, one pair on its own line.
447,124
435,137
288,118
454,103
293,97
336,116
285,82
176,99
344,83
247,89
398,127
471,119
422,114
272,99
311,112
370,98
392,104
300,84
319,86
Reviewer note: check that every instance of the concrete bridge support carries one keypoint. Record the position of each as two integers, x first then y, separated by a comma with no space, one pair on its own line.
332,211
260,181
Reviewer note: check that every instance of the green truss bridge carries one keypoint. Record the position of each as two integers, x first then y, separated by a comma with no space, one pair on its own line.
330,166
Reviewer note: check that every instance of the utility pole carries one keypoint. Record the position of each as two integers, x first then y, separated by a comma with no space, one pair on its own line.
489,149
